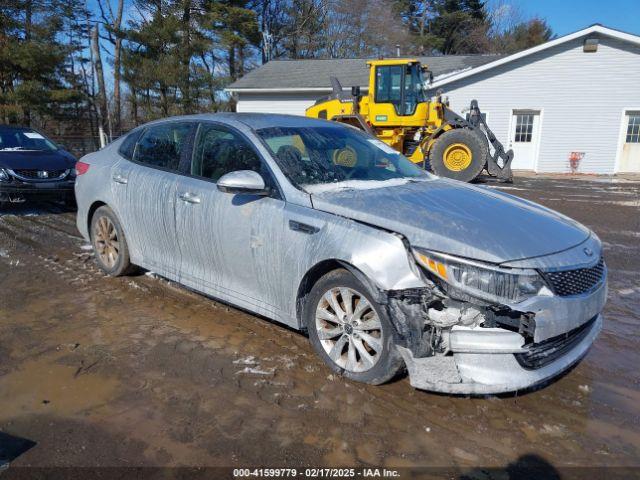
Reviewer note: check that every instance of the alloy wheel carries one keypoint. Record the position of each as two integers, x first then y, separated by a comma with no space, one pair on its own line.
349,329
106,241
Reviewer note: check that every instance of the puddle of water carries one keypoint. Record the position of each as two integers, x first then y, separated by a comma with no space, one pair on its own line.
43,387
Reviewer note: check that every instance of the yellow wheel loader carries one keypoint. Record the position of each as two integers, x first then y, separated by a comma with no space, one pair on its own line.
397,111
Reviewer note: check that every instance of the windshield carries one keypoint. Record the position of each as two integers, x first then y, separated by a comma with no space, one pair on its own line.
401,85
311,156
24,139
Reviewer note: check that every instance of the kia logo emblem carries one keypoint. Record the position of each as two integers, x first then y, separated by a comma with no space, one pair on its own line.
43,174
588,252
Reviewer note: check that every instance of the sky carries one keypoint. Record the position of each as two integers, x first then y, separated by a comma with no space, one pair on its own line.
567,16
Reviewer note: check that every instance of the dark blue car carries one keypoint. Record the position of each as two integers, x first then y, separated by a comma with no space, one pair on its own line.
33,167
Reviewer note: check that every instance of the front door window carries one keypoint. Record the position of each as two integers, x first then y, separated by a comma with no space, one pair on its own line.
389,85
219,151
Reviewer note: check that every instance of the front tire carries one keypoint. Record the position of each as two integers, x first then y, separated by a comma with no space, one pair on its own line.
109,243
460,154
350,331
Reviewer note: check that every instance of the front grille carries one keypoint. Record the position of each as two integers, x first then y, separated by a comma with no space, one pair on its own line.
575,282
41,175
545,352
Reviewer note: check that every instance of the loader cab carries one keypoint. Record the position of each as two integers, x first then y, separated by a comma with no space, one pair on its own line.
398,89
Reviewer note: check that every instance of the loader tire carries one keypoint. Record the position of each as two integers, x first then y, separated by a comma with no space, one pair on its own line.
460,154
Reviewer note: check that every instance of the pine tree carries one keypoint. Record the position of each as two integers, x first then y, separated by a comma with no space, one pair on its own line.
36,78
235,30
152,61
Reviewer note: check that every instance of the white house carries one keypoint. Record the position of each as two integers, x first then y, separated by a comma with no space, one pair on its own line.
572,103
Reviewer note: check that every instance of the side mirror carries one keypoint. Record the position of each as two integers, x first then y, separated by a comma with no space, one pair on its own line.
243,181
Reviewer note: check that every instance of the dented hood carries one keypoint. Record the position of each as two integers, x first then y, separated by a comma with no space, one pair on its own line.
459,219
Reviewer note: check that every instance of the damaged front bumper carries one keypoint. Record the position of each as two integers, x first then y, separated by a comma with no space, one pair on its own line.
491,372
484,350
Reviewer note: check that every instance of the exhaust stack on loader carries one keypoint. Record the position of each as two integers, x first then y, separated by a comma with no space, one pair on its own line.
397,111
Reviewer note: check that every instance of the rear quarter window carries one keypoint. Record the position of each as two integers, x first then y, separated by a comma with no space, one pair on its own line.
128,146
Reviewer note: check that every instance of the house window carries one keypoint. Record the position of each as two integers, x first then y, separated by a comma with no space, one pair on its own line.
633,128
524,127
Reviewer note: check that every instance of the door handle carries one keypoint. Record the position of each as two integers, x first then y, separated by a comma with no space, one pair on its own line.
119,179
189,197
302,227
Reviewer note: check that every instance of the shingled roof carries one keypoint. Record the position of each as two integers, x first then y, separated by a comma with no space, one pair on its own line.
314,75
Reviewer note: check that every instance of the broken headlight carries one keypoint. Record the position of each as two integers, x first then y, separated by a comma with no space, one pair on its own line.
482,280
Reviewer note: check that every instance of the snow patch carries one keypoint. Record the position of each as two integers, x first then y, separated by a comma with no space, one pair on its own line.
500,187
355,185
246,361
133,284
626,291
451,73
256,371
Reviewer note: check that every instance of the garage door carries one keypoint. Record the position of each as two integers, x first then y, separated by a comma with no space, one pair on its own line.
630,160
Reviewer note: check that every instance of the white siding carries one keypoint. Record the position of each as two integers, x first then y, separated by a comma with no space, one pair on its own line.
293,104
581,95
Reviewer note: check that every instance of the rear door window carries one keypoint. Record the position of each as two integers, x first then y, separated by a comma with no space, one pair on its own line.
161,146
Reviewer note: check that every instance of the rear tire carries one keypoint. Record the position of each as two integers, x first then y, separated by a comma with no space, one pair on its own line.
353,337
460,154
109,244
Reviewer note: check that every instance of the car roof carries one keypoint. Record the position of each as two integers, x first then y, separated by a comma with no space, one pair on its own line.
254,121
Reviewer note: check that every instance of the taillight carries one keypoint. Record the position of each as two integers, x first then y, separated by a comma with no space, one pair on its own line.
82,168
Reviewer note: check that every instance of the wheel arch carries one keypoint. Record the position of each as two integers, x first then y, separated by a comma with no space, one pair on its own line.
92,209
318,271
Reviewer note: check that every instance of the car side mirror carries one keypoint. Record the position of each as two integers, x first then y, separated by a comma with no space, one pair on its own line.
243,181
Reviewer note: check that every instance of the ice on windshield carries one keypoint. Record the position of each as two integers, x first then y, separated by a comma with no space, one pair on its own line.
325,155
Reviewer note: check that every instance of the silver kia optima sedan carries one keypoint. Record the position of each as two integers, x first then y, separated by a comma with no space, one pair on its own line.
327,230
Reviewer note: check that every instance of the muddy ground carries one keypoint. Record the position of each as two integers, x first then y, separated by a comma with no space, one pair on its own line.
137,371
